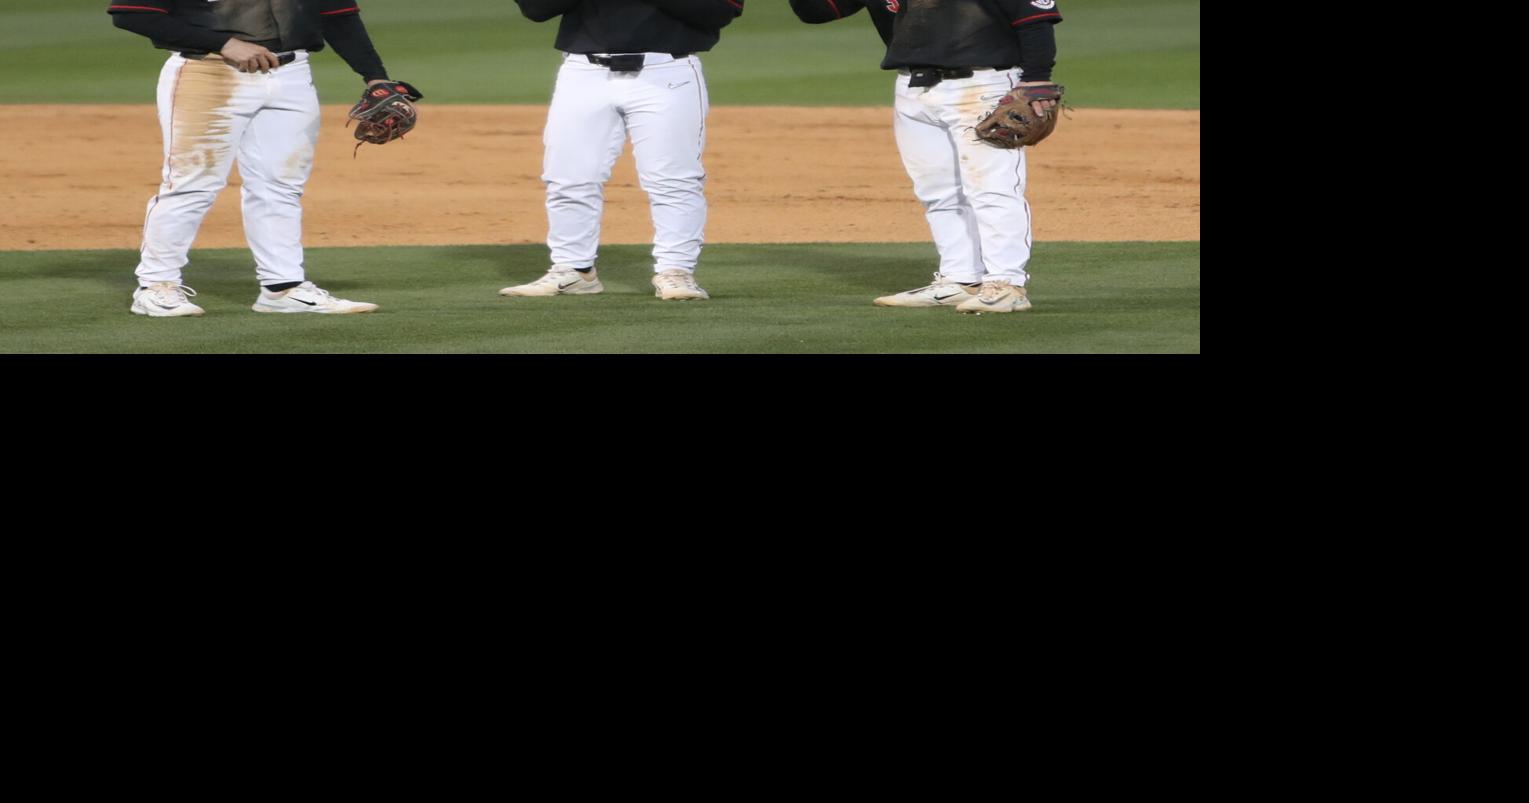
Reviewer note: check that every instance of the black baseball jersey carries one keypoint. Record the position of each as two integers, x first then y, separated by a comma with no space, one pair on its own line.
966,33
198,27
635,26
881,12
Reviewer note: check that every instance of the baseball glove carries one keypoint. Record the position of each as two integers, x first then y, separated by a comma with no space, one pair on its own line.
1014,124
386,112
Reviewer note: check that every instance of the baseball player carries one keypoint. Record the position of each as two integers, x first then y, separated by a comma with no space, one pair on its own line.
238,86
956,59
629,69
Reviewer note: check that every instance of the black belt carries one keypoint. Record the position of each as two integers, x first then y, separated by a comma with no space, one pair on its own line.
929,76
286,57
627,62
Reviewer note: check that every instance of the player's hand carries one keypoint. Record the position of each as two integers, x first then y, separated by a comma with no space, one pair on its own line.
1042,108
248,56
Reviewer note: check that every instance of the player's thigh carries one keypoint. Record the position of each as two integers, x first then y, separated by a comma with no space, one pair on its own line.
666,110
204,113
280,140
929,155
983,168
584,131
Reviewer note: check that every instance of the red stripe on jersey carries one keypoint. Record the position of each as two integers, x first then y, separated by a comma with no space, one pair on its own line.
738,4
1019,22
837,13
341,11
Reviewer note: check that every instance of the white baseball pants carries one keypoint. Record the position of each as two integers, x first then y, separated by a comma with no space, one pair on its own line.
973,194
594,109
211,114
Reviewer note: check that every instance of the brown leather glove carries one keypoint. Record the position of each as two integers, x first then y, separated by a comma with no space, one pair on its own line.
1013,123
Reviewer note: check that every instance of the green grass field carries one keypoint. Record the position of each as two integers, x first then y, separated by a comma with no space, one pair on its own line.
1136,54
1090,298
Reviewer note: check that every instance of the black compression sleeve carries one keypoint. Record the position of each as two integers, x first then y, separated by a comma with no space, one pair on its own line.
346,33
172,31
1037,51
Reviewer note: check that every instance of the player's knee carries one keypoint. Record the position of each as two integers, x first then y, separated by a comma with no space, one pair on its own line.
1005,197
673,186
942,201
192,197
575,185
276,190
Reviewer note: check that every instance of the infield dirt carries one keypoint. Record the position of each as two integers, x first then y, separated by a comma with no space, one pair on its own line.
78,177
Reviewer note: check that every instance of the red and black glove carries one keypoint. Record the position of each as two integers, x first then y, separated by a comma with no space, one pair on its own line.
386,112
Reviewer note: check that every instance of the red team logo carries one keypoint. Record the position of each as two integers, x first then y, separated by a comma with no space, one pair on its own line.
894,6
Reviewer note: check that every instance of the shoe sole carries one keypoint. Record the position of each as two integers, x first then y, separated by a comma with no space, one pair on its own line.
137,311
583,292
993,309
878,302
550,295
702,297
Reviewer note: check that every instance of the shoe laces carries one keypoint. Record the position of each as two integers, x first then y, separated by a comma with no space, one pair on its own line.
315,290
992,290
940,280
170,294
676,280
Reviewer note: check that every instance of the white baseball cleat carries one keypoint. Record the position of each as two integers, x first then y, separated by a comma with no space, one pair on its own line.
164,300
561,280
308,297
943,292
996,295
677,285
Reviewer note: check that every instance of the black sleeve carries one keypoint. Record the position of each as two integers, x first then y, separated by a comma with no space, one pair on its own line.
152,18
543,10
1019,13
710,15
816,11
346,33
1037,51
